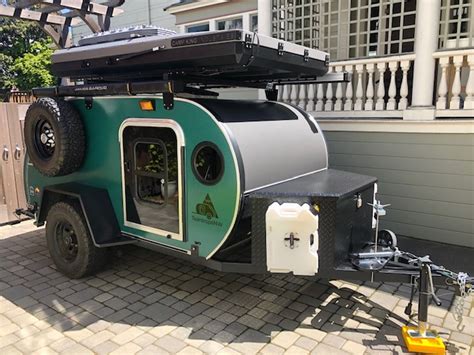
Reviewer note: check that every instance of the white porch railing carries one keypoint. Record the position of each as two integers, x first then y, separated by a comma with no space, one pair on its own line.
455,79
378,84
382,87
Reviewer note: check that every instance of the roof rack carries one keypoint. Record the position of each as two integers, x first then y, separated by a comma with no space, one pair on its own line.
56,17
169,86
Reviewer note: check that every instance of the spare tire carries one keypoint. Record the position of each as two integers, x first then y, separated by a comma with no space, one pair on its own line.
54,137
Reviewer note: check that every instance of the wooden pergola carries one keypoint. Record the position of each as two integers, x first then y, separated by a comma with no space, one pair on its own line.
56,17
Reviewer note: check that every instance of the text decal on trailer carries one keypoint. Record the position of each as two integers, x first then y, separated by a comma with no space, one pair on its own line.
215,37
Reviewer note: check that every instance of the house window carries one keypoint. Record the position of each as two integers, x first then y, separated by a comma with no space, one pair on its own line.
297,21
254,23
456,24
197,28
230,24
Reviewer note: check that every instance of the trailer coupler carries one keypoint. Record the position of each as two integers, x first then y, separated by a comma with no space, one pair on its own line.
385,256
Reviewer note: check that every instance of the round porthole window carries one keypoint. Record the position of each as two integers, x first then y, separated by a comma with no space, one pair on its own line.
208,163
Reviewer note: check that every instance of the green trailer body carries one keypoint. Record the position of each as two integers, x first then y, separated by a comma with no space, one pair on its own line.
102,168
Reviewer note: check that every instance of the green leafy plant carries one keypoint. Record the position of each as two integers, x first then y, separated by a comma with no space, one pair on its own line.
157,162
25,55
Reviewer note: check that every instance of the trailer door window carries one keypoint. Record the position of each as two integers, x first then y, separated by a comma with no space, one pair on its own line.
151,171
152,193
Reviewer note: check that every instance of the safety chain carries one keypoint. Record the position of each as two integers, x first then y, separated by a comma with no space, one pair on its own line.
461,280
464,292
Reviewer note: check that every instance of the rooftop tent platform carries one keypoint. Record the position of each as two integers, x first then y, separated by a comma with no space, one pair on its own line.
234,57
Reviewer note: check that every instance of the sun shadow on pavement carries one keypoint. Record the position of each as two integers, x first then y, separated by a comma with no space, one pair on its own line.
167,296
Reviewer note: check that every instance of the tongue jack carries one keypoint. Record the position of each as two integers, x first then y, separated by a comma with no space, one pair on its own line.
421,339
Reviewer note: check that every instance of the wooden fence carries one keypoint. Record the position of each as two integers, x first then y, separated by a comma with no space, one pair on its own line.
12,155
21,97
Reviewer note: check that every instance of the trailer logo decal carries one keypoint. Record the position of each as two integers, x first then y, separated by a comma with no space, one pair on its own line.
206,209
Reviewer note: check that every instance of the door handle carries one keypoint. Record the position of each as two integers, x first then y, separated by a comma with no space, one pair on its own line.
5,153
17,154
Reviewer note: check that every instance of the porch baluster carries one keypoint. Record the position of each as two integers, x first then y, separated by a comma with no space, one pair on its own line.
443,85
402,105
294,94
392,89
320,97
286,93
380,104
310,106
349,92
455,102
469,101
338,104
302,96
329,97
369,103
359,90
281,90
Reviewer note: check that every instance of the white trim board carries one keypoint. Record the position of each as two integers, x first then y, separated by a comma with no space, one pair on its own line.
389,114
399,126
194,5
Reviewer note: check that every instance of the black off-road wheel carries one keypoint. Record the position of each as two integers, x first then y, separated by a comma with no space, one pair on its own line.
54,137
70,243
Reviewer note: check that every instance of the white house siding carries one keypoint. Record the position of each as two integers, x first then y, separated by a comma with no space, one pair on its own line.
428,178
137,12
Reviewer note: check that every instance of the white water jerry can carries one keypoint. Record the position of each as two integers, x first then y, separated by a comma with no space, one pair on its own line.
292,239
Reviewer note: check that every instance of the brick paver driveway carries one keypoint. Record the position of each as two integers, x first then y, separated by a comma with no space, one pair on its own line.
150,303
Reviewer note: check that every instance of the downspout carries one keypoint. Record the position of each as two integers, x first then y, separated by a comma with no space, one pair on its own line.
149,11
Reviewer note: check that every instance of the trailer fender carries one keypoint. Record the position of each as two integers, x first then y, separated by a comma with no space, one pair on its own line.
95,205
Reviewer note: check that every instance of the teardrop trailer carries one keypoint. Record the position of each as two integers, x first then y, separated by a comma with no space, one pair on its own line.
141,152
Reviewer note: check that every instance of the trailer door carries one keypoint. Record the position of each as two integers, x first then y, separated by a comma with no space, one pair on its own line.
152,177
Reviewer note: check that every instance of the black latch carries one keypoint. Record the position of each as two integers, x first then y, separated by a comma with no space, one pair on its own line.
248,41
168,100
280,48
306,55
271,92
88,101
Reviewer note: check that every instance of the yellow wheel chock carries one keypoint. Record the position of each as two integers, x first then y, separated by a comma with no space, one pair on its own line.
427,343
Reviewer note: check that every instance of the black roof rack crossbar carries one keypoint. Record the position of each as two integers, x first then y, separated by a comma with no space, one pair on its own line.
171,85
112,89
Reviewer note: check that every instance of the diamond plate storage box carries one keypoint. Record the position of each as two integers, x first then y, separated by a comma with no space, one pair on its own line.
344,224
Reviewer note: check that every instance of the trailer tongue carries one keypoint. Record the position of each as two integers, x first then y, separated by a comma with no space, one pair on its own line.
239,186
